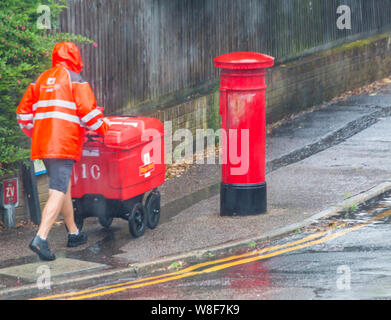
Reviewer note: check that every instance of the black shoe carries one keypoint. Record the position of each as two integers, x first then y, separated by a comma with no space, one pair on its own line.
41,248
76,240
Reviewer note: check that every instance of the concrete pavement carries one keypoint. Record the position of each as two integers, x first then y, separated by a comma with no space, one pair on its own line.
318,163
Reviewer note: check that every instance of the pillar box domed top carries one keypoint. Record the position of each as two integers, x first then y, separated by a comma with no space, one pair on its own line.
244,60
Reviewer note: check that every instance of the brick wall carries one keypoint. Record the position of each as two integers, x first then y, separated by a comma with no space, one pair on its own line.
318,78
299,84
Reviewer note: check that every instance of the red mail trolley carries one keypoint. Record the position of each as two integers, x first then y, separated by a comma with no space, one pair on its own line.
118,170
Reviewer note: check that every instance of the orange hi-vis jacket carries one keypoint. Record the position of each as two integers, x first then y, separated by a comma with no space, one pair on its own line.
58,106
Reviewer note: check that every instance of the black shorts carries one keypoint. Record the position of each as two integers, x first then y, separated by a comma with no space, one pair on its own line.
59,171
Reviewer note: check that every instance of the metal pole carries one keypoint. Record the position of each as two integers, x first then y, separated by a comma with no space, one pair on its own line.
9,217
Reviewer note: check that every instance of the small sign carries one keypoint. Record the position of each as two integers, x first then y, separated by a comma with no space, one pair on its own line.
10,193
148,166
146,169
39,167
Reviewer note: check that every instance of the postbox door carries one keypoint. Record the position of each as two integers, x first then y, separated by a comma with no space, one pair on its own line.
244,124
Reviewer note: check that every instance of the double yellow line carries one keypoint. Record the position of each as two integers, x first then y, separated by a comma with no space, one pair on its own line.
220,264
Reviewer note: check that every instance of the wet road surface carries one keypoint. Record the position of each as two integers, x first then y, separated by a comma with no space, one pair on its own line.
344,257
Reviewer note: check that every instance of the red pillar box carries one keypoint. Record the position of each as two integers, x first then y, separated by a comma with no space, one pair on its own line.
242,110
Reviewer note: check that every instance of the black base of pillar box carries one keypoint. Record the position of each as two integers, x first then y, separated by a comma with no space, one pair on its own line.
242,199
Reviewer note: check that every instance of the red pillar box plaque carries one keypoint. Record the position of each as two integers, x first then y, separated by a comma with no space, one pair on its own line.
242,110
10,200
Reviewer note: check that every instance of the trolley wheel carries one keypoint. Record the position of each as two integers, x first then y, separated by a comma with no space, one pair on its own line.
137,220
105,222
78,214
103,214
152,206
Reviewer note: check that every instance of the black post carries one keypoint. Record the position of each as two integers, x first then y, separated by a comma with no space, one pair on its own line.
30,186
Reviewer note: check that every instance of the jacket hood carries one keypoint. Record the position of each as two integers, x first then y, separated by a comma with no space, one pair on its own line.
67,54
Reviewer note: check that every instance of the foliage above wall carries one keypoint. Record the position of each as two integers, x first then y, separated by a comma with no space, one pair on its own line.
27,37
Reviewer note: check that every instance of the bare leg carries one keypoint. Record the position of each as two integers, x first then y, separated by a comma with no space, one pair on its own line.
50,212
67,211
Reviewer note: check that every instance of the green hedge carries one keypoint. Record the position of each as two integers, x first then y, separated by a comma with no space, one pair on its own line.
25,52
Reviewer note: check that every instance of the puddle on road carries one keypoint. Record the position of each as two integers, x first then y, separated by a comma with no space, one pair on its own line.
354,215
